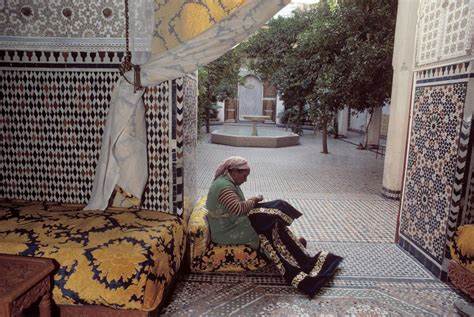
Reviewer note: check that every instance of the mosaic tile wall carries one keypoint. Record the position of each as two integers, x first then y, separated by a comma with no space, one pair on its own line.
190,142
177,146
468,216
157,108
52,113
51,127
460,180
435,170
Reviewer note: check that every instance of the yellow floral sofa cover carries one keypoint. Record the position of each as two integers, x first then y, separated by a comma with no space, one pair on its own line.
461,268
205,256
117,258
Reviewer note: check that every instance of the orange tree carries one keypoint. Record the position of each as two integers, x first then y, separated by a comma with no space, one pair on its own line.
271,54
217,81
353,44
336,54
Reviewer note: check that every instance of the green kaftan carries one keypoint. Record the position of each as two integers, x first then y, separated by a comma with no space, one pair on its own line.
225,227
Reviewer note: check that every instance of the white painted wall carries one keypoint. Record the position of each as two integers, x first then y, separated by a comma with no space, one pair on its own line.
279,109
342,125
250,97
221,113
358,120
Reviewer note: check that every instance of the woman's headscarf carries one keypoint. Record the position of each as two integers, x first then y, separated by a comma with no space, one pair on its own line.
231,163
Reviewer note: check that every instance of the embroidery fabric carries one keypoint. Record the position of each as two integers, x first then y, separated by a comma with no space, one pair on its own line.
273,212
296,240
270,252
319,264
279,244
298,278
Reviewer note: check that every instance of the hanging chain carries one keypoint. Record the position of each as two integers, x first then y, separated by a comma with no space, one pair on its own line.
127,61
127,65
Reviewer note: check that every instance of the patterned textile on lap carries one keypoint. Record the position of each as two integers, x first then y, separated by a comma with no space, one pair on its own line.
307,273
206,256
117,258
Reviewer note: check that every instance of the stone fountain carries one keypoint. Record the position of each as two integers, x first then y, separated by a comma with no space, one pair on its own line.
263,137
255,120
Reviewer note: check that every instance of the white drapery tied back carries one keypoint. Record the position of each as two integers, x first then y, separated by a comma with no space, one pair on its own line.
123,155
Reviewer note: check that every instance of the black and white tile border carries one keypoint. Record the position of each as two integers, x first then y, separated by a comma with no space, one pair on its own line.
391,194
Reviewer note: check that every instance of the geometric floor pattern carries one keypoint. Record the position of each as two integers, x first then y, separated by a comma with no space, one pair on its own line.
346,220
198,298
343,212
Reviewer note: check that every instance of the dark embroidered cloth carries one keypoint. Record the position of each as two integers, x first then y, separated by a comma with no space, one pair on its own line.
307,273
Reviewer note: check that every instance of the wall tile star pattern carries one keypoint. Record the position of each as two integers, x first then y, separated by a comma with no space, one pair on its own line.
437,117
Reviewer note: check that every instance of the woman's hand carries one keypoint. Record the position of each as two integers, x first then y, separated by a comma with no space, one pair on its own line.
257,198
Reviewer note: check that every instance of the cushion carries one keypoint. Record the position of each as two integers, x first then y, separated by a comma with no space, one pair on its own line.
206,256
462,247
461,277
123,199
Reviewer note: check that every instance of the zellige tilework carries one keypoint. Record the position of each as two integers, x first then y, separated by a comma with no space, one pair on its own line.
433,146
54,107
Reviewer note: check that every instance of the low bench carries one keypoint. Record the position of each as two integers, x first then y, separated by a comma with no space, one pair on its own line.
461,266
206,256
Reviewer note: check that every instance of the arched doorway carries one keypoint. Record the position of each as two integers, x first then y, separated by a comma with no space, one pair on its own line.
250,97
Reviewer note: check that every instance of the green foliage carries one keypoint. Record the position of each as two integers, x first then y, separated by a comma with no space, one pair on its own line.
271,55
217,81
334,55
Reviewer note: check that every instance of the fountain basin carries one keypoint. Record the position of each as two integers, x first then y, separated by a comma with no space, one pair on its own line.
266,138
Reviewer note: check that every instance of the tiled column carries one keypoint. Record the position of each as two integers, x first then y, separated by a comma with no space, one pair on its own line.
403,59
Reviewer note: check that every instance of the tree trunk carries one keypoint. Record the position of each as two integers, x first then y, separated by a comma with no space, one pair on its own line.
336,126
366,136
299,122
208,123
324,124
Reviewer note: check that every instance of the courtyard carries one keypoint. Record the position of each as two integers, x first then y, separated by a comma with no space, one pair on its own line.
339,195
99,116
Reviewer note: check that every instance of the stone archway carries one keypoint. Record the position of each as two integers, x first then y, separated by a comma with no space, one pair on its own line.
250,97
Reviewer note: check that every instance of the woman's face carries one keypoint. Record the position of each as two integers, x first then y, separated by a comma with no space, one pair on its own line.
239,176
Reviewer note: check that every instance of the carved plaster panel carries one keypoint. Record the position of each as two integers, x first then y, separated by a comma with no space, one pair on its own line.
62,25
445,30
65,18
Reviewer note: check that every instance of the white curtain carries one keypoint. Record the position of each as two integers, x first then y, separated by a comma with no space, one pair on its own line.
123,156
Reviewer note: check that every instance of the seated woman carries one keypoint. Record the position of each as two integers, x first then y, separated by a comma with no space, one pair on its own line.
263,226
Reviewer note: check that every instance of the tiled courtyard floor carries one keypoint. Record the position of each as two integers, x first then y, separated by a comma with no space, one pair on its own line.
343,213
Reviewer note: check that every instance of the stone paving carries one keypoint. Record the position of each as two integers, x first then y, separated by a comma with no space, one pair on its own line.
339,195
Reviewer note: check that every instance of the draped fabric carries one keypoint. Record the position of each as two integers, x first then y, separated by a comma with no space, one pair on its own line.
178,21
307,273
116,258
182,40
124,137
